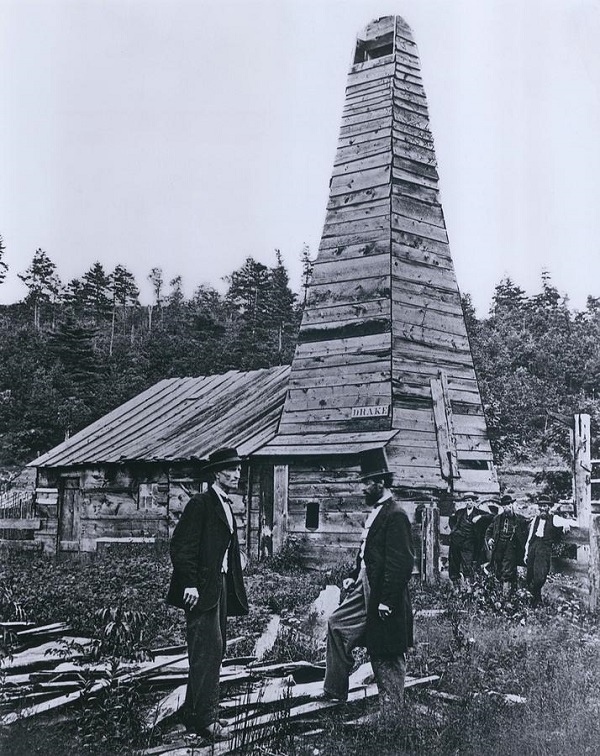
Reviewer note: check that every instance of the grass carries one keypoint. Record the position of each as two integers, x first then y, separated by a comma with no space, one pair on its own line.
482,646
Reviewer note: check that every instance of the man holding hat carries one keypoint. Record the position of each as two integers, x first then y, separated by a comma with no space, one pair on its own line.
545,528
207,583
377,611
505,538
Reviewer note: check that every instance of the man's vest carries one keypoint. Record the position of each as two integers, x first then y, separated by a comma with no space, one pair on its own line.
465,527
549,529
508,526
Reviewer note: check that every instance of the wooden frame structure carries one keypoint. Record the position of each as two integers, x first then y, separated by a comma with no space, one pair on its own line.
587,509
383,357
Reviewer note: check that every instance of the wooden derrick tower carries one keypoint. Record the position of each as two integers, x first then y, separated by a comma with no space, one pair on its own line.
383,357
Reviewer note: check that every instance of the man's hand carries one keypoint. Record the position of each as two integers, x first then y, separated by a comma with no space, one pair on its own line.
348,583
384,611
490,544
190,597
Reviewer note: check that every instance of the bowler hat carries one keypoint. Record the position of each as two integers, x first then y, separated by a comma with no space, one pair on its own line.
373,464
469,495
222,459
544,500
506,500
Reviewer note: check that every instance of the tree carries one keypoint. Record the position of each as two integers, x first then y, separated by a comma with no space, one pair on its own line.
96,292
263,309
3,265
307,271
73,345
156,279
175,304
282,318
42,281
125,293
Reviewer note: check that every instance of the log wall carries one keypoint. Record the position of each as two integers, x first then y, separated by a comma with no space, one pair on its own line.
117,502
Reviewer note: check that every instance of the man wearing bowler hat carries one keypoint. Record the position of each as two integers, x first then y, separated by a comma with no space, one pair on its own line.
377,612
505,538
207,583
544,529
464,538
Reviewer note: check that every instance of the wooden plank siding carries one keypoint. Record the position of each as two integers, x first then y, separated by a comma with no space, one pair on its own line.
383,314
333,484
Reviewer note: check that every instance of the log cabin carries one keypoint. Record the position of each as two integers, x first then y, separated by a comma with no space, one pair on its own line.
382,360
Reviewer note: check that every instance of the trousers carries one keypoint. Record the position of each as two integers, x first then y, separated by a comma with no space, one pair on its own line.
346,629
460,557
505,560
206,640
538,566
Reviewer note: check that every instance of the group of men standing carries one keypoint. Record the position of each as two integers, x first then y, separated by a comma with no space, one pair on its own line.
507,539
376,613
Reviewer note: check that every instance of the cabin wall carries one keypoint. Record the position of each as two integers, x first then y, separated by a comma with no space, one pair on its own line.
325,510
84,509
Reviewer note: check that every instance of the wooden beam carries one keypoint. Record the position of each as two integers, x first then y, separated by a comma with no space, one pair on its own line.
582,469
594,564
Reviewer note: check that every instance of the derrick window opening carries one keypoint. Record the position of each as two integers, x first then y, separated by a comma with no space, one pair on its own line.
474,464
312,515
375,48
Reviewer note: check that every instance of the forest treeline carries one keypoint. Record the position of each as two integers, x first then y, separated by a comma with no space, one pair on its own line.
70,352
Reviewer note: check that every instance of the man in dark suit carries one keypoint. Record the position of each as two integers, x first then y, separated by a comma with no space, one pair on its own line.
207,583
505,538
377,612
465,539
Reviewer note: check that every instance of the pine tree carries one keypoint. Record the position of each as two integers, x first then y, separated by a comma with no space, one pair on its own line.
73,345
175,304
96,292
42,281
156,279
307,271
283,319
125,293
3,265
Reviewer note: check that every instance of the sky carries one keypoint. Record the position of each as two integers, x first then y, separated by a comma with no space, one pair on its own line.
189,135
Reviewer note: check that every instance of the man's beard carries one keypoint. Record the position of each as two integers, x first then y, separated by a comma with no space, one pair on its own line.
372,497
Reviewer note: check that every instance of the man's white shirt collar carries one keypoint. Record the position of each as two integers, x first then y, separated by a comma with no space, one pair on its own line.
224,499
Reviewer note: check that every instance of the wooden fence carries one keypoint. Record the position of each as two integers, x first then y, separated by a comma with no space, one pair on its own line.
18,520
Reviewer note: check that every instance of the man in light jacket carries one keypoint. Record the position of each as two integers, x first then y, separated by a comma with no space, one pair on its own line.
544,529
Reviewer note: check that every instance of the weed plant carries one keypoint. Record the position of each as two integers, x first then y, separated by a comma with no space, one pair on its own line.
487,650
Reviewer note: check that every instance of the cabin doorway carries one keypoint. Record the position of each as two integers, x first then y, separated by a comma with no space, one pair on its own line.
70,512
273,505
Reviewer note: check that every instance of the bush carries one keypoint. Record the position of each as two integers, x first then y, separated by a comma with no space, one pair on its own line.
49,590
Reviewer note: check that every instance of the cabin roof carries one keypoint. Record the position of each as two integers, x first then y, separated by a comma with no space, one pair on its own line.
182,419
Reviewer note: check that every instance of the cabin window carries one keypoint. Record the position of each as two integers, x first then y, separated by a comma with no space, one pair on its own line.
312,515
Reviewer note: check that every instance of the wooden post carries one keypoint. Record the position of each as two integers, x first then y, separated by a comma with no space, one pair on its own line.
582,470
444,427
594,566
280,505
431,544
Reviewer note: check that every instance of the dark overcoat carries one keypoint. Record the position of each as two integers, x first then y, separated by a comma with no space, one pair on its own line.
518,539
200,540
389,560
